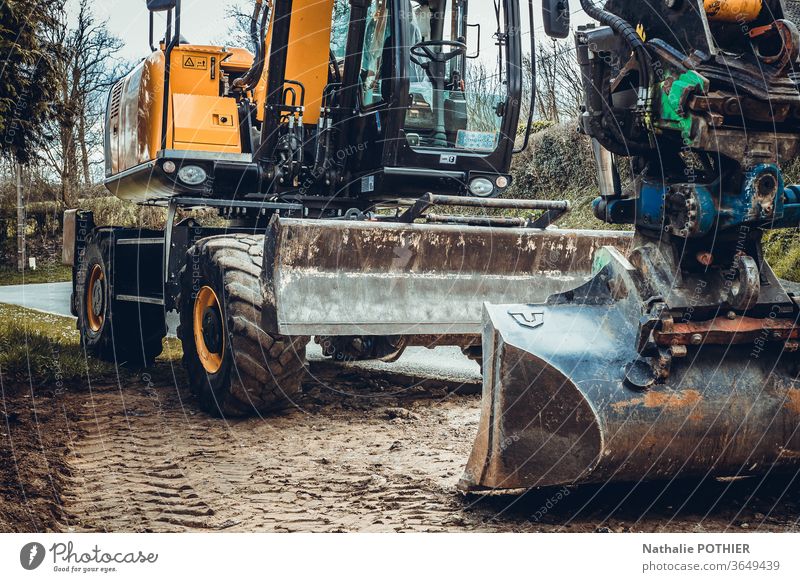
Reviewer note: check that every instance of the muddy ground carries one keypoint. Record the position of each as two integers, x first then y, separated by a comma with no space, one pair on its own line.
363,453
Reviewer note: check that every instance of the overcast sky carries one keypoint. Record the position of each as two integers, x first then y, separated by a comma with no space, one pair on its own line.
204,20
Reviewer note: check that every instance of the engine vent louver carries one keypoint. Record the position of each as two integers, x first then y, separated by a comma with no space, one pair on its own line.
116,100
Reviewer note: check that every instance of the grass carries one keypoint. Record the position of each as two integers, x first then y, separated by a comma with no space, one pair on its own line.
44,350
782,251
48,273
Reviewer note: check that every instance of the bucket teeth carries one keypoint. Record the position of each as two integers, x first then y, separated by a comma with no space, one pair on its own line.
566,401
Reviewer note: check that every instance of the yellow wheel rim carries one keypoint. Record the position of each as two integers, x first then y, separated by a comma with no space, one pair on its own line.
209,330
95,299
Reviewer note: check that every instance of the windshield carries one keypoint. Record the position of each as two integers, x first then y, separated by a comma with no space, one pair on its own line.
457,70
457,79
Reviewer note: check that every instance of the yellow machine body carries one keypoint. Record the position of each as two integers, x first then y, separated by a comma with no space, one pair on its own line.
199,119
203,115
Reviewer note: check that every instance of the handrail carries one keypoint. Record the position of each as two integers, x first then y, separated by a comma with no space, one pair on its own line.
533,84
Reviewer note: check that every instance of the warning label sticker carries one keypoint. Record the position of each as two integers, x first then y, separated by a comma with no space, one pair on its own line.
190,62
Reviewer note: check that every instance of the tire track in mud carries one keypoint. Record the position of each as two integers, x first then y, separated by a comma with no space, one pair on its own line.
364,456
125,469
147,463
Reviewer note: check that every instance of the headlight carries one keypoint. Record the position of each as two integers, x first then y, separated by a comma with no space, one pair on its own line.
481,187
502,182
169,167
192,175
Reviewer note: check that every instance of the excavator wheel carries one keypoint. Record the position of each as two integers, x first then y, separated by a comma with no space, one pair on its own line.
111,330
235,367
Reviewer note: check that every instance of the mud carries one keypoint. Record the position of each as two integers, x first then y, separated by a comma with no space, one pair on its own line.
361,453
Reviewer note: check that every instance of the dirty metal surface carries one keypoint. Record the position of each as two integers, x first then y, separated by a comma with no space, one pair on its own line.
724,331
557,408
369,278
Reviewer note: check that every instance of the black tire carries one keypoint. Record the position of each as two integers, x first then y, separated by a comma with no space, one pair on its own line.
257,372
119,332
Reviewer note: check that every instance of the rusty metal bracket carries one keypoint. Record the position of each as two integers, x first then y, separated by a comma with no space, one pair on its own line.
727,331
788,39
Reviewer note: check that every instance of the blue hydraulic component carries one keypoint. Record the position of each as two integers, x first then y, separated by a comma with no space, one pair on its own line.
693,210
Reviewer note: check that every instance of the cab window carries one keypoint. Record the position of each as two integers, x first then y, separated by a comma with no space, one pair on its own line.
376,56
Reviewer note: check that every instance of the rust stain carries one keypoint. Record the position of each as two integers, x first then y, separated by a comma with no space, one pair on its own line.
793,400
627,403
667,400
651,442
673,400
789,454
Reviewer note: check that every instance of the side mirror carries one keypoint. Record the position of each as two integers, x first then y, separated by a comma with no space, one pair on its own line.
556,18
160,5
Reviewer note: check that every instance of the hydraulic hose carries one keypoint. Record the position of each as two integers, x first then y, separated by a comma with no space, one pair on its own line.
258,37
630,36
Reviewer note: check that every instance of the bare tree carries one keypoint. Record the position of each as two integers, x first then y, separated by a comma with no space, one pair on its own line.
558,82
83,57
239,15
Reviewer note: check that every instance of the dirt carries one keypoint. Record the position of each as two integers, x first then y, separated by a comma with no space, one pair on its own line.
35,438
361,453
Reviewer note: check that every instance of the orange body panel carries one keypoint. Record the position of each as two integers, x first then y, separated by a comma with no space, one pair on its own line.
133,118
308,55
200,118
205,123
196,69
309,51
153,95
239,61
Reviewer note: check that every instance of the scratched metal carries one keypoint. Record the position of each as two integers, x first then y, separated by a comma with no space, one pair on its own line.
368,278
556,408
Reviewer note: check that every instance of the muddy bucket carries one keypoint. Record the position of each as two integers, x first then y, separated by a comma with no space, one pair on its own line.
346,278
568,400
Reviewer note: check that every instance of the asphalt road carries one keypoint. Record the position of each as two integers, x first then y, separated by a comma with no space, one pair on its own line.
47,297
440,363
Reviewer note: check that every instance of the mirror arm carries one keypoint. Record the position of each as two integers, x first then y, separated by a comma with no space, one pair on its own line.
478,54
529,127
152,46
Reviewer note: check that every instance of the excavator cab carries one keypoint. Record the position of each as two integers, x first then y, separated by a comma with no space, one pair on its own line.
437,95
350,103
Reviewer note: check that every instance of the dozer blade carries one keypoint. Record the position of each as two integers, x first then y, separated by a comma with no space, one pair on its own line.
341,278
567,399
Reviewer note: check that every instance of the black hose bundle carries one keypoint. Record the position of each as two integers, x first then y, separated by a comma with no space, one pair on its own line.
258,37
629,34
